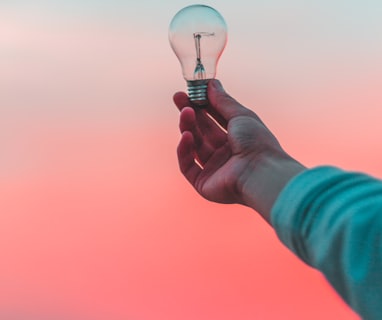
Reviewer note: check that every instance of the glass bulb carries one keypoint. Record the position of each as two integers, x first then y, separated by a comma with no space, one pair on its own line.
198,35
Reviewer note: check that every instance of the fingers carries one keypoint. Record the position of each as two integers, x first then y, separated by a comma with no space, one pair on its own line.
186,150
204,126
181,100
190,168
187,120
206,123
188,123
211,128
222,106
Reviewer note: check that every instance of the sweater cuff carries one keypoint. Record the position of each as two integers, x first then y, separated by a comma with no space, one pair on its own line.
288,215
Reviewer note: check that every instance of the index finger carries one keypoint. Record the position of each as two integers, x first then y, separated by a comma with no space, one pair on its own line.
181,100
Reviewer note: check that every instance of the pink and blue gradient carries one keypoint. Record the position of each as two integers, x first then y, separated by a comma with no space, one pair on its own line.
96,221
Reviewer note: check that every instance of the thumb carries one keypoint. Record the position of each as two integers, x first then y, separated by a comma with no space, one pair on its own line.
222,103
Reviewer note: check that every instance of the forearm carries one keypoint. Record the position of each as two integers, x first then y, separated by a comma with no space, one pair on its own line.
332,220
267,177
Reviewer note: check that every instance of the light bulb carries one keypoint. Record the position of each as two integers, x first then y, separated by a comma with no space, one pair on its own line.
198,35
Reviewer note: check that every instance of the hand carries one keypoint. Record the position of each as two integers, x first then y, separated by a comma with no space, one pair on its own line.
228,154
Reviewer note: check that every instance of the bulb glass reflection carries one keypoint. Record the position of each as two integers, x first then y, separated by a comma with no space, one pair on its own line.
198,36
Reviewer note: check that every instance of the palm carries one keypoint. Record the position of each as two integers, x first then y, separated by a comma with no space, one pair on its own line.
223,152
218,180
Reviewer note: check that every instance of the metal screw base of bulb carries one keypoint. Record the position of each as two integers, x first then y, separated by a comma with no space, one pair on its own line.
197,92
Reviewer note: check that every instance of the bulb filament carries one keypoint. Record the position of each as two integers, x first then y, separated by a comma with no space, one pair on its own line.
200,72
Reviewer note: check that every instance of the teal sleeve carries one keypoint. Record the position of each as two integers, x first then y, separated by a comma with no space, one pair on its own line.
332,220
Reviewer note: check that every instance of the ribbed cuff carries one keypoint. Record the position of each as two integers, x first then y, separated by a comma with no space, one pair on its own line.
291,216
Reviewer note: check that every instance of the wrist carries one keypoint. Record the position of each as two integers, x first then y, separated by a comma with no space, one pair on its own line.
267,175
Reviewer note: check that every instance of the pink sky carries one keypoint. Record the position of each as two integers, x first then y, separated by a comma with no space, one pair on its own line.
96,220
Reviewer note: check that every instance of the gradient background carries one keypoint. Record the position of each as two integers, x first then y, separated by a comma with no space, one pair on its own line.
96,221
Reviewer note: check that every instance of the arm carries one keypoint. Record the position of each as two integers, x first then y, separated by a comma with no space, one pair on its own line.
330,219
237,161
